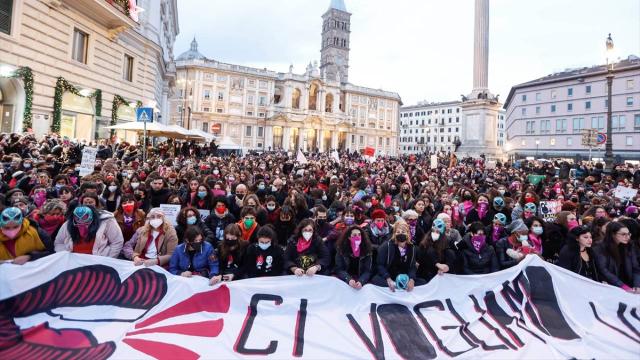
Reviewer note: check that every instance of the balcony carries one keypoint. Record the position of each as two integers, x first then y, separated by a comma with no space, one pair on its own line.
113,14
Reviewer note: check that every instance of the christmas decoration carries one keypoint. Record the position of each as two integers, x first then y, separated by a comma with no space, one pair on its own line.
63,86
26,75
115,105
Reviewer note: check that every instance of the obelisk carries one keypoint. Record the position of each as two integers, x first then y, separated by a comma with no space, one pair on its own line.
480,108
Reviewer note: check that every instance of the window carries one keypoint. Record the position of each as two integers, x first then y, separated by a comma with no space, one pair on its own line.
80,45
6,13
250,100
569,107
636,122
537,110
251,83
524,97
261,114
597,122
545,126
629,101
262,101
524,111
587,89
561,125
219,110
587,105
578,124
629,85
629,140
570,92
538,97
128,68
222,78
263,84
530,127
220,96
207,94
618,122
553,94
247,130
552,141
260,131
249,113
553,108
388,141
206,109
361,139
205,127
569,141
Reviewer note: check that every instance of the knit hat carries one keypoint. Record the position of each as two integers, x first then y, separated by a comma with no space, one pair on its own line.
440,225
498,201
502,218
631,209
21,200
10,215
517,225
53,204
82,215
378,214
530,207
155,211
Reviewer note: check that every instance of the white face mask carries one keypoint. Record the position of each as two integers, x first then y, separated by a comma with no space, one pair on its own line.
435,236
271,207
324,197
307,235
274,189
113,188
135,185
155,223
216,172
538,230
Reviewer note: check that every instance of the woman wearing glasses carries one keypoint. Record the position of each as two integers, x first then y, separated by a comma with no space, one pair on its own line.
617,260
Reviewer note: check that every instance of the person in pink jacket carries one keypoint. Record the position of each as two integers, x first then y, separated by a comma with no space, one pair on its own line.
90,231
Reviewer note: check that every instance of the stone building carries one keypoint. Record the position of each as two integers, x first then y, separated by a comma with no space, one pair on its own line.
109,54
260,109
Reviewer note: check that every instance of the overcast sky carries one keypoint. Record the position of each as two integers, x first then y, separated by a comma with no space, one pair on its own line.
421,49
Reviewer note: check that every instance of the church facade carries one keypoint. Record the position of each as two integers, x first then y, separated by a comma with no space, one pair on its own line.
263,110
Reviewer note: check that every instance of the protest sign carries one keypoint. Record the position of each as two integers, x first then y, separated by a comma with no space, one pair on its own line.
171,212
88,163
204,213
535,179
434,162
98,307
549,210
624,193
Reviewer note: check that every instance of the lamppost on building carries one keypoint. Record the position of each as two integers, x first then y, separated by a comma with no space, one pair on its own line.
608,154
537,146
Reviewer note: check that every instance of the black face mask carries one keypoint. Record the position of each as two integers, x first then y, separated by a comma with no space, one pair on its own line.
196,246
401,238
406,191
467,197
240,196
321,222
230,242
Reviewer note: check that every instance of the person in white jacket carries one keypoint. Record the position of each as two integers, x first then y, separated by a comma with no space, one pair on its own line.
89,231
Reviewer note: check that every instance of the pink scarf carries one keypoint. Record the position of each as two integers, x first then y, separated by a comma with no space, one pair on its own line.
536,243
482,210
495,236
302,245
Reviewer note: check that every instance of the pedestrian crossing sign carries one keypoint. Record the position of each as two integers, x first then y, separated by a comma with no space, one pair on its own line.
144,115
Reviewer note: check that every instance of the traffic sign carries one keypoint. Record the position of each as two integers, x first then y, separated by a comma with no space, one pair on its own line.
216,128
601,138
144,114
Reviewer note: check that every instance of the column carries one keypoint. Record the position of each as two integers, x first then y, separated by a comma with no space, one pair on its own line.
301,136
268,138
286,138
481,45
334,139
319,140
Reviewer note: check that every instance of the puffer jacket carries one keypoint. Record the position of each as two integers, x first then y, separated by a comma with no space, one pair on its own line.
484,261
108,241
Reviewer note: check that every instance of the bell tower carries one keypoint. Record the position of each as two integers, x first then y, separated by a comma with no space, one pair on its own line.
334,53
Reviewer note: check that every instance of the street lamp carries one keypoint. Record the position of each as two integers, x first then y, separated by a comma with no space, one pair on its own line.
608,154
537,146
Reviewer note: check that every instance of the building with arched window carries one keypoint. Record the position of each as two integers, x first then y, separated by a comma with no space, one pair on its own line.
259,109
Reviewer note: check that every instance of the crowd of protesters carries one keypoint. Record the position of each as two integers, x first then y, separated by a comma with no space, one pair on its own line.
393,222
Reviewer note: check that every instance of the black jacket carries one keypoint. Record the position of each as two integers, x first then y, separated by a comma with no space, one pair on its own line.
428,258
207,234
387,254
554,241
316,254
611,271
483,262
376,241
365,267
156,198
570,259
217,224
260,263
501,248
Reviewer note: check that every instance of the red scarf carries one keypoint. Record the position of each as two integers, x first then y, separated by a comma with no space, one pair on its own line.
303,245
149,239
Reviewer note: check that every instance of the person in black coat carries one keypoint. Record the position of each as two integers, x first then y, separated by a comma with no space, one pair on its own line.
305,252
354,257
231,253
264,258
577,255
616,258
480,212
434,254
478,257
397,257
219,218
191,216
158,193
378,231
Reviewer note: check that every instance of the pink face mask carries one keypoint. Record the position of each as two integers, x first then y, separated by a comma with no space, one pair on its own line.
83,230
355,244
572,224
11,234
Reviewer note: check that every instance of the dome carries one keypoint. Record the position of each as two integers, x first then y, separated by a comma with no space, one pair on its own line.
193,53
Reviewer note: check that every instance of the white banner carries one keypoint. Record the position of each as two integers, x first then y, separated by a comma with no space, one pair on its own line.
82,306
